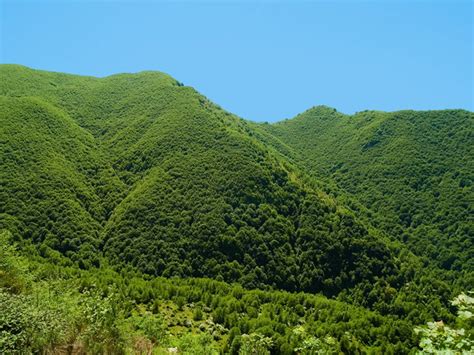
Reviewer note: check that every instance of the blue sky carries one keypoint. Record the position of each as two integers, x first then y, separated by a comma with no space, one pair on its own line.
262,60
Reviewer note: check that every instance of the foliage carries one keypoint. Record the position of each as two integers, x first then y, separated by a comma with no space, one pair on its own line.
12,269
101,334
154,175
102,310
412,171
201,344
312,345
255,344
126,195
438,337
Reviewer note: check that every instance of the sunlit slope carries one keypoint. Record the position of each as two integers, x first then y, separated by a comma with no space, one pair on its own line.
213,202
203,197
142,177
412,169
56,188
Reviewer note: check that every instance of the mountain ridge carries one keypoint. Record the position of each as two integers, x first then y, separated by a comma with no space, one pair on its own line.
378,150
181,133
149,174
179,83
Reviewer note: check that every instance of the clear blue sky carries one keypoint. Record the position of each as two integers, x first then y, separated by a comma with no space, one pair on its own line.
261,60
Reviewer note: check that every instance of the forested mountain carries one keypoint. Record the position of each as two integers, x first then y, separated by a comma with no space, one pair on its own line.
139,173
412,170
202,197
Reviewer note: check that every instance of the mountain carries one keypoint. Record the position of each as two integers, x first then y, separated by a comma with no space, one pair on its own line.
413,170
139,176
201,197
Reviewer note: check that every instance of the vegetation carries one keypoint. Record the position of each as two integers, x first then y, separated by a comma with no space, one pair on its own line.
413,171
146,218
48,306
440,338
182,193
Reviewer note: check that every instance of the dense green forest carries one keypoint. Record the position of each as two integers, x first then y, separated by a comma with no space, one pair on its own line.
140,216
412,171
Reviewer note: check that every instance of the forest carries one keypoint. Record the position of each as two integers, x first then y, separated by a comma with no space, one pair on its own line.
136,216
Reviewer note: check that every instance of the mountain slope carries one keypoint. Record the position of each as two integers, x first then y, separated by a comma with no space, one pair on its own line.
203,197
139,176
412,170
47,305
52,178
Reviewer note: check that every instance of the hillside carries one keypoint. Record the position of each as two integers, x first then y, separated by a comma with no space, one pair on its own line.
53,177
413,170
137,174
203,197
54,307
